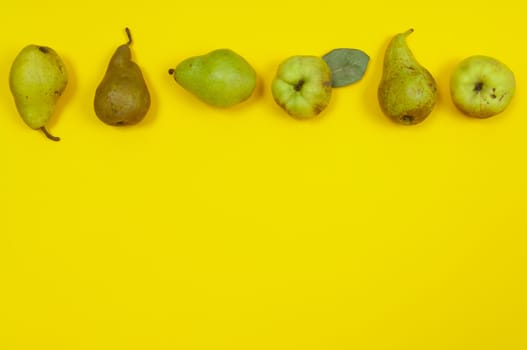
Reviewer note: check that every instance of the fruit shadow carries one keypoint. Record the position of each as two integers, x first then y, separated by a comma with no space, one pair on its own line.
66,98
259,91
443,84
268,72
6,61
153,111
375,68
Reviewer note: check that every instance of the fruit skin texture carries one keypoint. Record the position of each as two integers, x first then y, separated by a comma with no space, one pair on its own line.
407,92
482,86
220,78
302,86
37,79
122,97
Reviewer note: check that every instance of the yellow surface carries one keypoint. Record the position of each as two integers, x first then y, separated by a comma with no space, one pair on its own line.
205,228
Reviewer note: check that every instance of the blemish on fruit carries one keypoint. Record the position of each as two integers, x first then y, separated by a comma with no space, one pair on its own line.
317,109
299,85
407,119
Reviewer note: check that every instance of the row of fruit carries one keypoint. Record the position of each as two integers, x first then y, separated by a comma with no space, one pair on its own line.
480,86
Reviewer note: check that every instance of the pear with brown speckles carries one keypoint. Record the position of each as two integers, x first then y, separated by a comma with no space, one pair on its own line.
407,92
122,97
37,79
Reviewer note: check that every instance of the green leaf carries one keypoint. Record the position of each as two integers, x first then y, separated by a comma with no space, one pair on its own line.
347,66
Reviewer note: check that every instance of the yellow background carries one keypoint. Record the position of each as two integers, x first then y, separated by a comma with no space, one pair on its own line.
242,228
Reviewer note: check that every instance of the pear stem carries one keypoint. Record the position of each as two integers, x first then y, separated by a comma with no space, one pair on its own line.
408,32
48,135
129,35
171,71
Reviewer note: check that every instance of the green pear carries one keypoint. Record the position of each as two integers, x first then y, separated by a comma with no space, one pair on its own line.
407,92
122,97
37,79
220,78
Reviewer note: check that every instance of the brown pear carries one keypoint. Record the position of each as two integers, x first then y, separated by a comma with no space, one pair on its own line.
122,97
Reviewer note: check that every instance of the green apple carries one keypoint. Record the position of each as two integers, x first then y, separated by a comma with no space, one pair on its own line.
482,86
302,86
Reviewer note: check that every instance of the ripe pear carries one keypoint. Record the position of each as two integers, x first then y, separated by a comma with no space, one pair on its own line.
407,92
37,79
220,78
122,97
